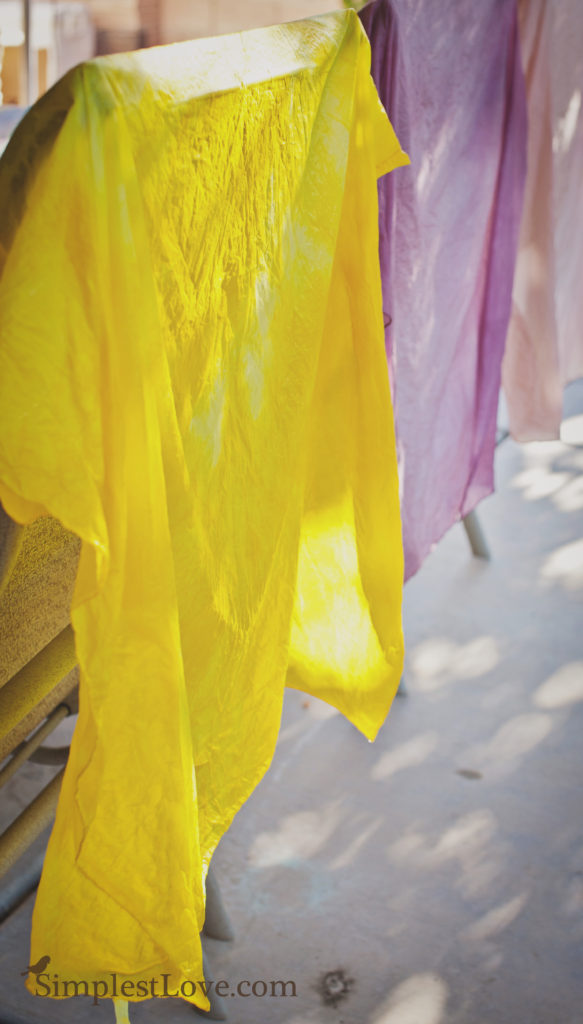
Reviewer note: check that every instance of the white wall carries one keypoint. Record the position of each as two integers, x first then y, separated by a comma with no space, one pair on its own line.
185,19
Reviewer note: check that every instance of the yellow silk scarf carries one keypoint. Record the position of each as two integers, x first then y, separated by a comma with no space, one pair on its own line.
193,381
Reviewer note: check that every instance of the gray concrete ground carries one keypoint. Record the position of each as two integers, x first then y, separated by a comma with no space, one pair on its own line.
435,876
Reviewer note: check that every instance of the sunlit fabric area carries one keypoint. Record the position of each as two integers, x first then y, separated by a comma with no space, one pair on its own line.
291,512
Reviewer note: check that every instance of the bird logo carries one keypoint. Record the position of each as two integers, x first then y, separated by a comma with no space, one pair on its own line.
37,968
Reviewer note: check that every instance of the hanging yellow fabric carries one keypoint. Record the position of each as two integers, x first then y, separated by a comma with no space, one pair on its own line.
193,381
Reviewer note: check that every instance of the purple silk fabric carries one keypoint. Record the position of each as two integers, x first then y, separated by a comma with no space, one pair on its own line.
449,75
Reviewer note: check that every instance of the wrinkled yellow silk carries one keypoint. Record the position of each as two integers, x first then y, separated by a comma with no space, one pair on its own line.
193,380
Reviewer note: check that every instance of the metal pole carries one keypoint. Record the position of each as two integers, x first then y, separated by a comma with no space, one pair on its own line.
27,22
28,749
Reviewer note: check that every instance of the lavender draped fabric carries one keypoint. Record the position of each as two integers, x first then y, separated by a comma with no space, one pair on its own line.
450,77
545,340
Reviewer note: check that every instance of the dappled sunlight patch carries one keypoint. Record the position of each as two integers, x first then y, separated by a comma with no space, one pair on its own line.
472,844
512,742
565,566
563,688
421,999
349,855
300,835
432,657
539,482
572,430
541,453
439,661
406,755
411,848
471,831
495,920
570,497
476,658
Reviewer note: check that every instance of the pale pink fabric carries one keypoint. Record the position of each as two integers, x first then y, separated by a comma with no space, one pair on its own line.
567,80
544,348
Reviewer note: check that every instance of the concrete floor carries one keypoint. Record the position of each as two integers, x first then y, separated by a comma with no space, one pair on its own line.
436,874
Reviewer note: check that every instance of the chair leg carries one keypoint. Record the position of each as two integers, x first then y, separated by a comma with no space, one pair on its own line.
121,1011
475,536
216,922
402,690
14,894
218,1010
